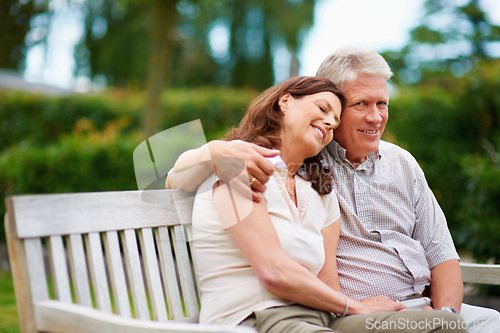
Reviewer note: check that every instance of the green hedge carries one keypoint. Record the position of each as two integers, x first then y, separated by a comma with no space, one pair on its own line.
86,143
480,205
76,163
42,120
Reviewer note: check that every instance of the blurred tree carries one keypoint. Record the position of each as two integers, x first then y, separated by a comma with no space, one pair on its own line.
21,26
246,32
454,36
161,41
115,44
258,27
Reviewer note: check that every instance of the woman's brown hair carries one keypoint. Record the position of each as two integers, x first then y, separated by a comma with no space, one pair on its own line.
263,121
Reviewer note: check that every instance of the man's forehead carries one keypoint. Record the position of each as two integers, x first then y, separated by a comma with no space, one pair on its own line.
366,94
366,90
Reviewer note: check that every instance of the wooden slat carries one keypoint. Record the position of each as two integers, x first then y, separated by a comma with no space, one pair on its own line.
480,273
79,273
185,272
36,269
98,272
152,272
62,214
134,273
168,270
59,268
118,283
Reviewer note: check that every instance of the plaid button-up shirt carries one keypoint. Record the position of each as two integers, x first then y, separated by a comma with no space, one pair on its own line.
393,230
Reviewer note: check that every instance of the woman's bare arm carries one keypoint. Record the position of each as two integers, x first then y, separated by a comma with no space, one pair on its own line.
227,159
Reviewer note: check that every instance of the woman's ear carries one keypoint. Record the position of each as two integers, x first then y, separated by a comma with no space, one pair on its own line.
283,101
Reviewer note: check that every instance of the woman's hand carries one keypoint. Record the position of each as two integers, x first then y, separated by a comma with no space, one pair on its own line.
382,303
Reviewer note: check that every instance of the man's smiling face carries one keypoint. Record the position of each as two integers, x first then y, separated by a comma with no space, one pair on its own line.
363,119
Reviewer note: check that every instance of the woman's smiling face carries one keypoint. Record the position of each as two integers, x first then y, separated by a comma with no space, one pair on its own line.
309,121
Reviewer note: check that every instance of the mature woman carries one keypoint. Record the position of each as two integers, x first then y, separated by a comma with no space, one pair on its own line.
272,264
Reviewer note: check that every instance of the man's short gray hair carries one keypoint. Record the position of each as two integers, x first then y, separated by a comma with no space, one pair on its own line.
346,64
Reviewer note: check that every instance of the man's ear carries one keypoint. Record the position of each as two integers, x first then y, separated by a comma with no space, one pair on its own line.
284,100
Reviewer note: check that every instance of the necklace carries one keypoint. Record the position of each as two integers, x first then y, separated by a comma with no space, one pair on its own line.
284,177
286,183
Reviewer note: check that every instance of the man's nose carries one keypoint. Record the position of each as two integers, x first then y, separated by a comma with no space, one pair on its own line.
373,115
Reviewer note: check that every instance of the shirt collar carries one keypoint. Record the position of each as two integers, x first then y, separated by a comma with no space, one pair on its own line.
339,152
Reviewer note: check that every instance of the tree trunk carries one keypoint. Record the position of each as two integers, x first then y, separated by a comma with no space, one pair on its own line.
163,30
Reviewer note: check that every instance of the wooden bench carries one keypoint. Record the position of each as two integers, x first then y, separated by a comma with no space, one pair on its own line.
104,262
112,262
480,273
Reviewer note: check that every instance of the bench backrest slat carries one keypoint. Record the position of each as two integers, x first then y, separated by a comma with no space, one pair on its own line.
36,269
79,270
59,268
114,261
134,270
152,273
166,263
98,276
63,214
185,272
481,273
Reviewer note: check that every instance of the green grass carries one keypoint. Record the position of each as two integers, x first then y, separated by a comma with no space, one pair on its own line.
8,309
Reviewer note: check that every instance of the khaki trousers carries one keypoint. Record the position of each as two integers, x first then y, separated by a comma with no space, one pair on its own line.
300,319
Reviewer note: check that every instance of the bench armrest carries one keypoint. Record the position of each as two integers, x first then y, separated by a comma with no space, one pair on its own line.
73,318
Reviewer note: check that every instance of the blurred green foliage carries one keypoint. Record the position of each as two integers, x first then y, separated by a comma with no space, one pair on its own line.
452,37
480,206
8,315
41,120
452,126
85,143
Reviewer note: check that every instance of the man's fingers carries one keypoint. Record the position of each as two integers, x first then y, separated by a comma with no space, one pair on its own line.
261,162
257,196
266,152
